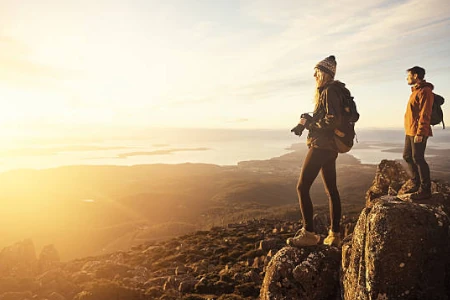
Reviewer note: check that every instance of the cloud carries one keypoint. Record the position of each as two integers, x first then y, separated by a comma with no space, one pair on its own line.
363,35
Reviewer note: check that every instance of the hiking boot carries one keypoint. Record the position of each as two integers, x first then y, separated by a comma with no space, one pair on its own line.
333,239
303,238
413,188
421,194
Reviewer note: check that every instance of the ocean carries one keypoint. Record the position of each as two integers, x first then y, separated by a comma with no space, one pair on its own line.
173,146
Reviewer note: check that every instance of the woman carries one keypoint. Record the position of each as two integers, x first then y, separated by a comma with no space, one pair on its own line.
322,155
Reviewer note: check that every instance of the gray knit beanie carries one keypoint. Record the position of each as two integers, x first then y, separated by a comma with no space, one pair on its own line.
328,65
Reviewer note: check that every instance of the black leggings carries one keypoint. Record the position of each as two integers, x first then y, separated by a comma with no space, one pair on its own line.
315,161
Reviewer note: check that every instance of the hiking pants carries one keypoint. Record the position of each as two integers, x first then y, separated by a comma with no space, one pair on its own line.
414,155
319,160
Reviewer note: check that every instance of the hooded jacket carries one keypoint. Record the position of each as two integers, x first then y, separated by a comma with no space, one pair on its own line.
327,116
418,110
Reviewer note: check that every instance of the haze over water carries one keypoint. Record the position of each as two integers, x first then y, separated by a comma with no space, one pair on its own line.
172,146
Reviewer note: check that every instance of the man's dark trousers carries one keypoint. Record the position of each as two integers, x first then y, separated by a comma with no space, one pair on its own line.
414,155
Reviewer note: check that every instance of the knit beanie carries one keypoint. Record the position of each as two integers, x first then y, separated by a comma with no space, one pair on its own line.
328,65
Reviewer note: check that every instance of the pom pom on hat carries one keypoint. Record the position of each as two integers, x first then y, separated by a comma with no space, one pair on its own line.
328,65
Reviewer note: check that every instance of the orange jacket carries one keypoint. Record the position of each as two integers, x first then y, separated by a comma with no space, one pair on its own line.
418,110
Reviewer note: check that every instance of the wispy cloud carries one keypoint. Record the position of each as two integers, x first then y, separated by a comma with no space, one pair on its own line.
362,34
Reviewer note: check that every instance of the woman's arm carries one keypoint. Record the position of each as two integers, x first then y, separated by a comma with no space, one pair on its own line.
331,115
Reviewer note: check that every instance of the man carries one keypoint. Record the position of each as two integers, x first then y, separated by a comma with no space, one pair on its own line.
418,129
322,154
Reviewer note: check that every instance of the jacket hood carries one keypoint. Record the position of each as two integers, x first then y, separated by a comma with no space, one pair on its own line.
422,84
341,86
334,83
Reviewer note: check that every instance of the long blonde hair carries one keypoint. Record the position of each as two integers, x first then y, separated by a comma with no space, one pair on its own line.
324,78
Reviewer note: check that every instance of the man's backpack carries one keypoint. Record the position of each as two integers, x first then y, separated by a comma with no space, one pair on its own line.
344,134
437,116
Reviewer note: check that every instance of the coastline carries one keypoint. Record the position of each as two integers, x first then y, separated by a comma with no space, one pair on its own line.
223,147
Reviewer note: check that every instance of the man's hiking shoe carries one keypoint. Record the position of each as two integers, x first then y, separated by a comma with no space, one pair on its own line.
303,238
414,188
421,195
333,239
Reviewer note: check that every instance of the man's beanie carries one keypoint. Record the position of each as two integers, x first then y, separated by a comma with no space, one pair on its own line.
328,65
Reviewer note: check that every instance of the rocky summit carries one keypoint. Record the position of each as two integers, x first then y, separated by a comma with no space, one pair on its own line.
399,249
222,263
393,249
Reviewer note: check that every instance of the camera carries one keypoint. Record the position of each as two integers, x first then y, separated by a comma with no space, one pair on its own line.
298,130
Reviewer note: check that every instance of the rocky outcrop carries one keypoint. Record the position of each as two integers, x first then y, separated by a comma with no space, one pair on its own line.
399,248
307,273
389,178
18,260
48,259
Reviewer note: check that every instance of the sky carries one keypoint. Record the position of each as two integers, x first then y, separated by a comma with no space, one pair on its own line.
70,66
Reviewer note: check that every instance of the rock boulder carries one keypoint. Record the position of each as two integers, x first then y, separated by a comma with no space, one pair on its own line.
307,273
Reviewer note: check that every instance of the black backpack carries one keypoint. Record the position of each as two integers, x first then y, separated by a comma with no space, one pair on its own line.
345,133
437,116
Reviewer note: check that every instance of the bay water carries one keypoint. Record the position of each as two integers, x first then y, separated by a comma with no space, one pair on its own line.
173,146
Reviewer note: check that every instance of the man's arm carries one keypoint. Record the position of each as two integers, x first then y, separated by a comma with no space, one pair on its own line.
426,99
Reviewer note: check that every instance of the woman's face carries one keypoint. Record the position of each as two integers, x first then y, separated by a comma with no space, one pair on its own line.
318,75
